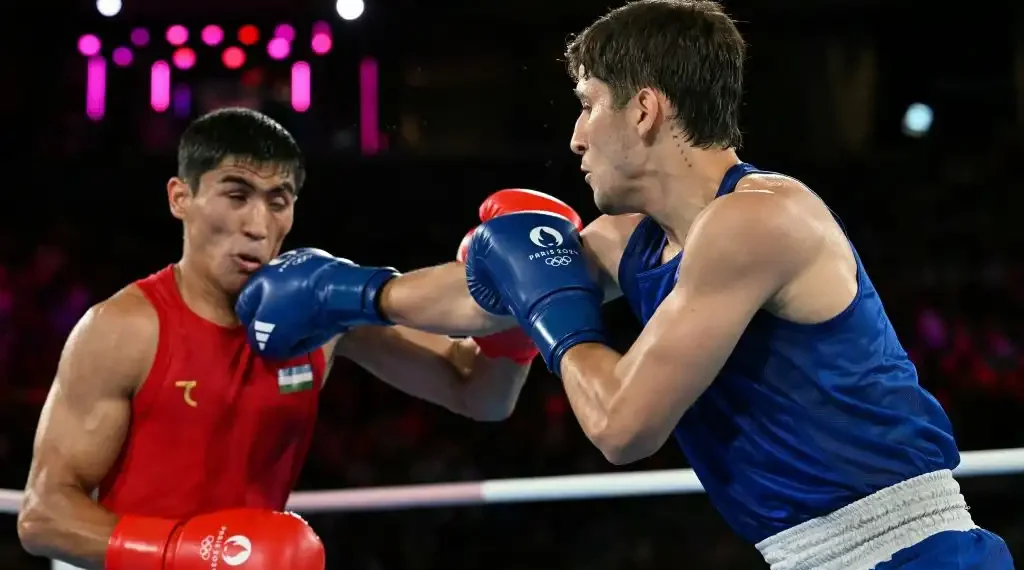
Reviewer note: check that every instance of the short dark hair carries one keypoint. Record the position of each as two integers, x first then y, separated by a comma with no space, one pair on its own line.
690,50
241,134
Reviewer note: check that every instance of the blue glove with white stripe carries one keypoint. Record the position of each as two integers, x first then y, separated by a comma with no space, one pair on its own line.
303,298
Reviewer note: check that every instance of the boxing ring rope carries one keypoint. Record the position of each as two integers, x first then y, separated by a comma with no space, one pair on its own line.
541,489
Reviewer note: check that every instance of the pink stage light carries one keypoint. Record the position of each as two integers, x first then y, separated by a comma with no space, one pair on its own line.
233,57
177,35
369,122
321,27
89,45
140,37
184,58
278,48
212,35
321,44
122,56
301,92
160,86
285,31
96,88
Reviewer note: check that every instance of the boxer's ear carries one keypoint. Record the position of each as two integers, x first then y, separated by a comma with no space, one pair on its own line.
179,194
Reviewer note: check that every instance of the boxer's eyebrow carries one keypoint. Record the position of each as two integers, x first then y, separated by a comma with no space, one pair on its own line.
235,179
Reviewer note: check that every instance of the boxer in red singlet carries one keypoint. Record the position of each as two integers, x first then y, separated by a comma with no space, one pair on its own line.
191,441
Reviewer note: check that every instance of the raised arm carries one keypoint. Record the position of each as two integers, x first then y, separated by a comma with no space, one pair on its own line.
82,428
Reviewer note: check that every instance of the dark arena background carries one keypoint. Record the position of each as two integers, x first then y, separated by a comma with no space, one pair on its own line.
906,117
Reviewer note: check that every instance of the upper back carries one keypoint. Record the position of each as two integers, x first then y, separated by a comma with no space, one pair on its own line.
804,417
211,405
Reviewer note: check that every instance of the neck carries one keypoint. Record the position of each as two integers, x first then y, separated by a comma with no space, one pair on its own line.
685,186
202,295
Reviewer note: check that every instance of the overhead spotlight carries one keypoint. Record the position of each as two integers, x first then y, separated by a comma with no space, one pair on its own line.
108,8
349,9
917,120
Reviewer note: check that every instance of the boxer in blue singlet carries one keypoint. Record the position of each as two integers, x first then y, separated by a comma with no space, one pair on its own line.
766,351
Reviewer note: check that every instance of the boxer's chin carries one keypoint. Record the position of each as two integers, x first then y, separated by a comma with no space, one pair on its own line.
233,275
606,202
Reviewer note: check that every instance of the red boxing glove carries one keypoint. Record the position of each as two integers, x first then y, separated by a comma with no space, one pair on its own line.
514,344
520,200
253,539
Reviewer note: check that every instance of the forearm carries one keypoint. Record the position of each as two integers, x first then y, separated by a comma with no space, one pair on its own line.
436,299
593,384
450,373
491,386
66,525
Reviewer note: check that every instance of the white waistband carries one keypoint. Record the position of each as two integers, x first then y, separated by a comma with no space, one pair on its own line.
867,532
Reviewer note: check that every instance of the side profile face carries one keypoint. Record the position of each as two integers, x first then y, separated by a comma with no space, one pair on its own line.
237,218
656,78
610,144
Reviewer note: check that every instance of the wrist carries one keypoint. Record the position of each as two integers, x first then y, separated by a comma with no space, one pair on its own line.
139,542
359,288
563,321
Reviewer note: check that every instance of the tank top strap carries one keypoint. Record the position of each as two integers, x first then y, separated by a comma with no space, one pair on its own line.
161,289
733,175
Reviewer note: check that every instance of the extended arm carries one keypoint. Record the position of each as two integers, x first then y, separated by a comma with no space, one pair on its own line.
742,251
452,373
436,299
81,430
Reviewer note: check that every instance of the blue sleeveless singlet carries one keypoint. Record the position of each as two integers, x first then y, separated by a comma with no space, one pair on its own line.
802,419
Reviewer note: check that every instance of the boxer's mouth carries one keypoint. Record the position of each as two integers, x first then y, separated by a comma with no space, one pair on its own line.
248,262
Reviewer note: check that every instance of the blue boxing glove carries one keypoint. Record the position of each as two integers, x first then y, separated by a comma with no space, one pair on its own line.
529,264
304,297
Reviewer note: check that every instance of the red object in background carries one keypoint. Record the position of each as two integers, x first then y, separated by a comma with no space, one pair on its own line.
248,35
233,57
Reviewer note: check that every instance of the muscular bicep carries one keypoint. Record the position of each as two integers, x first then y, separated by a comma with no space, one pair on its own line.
731,269
87,412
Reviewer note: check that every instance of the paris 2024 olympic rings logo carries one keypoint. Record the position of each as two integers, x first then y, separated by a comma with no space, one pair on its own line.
206,548
558,260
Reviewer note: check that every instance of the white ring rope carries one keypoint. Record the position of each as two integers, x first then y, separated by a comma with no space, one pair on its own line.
562,488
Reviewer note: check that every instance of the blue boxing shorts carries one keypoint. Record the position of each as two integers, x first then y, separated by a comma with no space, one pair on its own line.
976,549
919,524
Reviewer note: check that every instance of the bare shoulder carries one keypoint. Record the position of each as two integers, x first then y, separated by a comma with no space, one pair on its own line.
768,220
114,343
605,239
610,233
